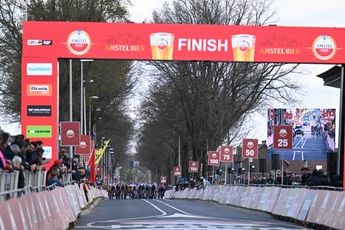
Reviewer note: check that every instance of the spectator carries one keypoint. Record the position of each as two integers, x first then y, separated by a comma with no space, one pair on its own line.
54,177
17,165
3,163
318,178
305,179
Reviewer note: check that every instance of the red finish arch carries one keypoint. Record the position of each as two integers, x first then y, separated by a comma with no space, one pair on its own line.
45,42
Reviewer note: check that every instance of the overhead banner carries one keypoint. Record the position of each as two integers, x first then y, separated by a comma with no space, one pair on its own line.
84,147
70,133
181,42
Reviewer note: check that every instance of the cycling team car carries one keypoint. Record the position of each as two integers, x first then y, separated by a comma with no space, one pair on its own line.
298,130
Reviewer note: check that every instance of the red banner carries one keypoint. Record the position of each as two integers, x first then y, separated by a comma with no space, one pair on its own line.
84,147
184,42
91,164
193,166
177,171
250,148
226,153
282,137
70,133
213,158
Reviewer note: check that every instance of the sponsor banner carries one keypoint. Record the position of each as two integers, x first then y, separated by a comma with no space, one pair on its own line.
47,152
177,171
193,166
39,69
185,42
282,137
70,133
39,42
213,158
39,111
250,148
39,103
38,131
84,147
163,179
226,153
39,90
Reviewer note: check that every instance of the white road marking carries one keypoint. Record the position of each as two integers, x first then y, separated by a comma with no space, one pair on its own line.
177,209
163,213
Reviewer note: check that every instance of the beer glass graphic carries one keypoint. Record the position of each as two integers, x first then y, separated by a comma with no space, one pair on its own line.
162,46
243,47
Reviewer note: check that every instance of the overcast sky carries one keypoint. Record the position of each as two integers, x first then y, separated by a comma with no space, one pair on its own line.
315,13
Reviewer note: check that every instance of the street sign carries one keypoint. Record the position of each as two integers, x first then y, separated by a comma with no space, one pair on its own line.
177,171
250,148
282,137
226,153
163,179
193,166
213,158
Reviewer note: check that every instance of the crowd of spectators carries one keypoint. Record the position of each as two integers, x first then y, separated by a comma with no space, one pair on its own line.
21,154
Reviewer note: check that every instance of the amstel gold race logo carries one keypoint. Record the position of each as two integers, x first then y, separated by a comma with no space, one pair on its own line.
79,42
324,47
250,144
283,132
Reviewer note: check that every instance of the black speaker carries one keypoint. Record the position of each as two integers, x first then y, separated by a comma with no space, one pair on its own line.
275,161
262,165
332,159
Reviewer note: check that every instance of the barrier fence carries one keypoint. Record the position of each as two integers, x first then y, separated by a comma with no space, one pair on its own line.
54,209
319,207
8,182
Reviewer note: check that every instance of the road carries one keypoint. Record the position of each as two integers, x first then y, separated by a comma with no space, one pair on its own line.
175,214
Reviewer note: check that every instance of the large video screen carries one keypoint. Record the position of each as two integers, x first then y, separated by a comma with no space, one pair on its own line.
313,132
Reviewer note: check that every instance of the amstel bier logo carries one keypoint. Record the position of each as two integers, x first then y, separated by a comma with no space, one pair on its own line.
79,42
324,47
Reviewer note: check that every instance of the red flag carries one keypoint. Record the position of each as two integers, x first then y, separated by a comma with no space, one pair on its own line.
92,166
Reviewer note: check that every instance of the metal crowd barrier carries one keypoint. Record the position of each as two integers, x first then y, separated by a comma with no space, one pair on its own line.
36,178
8,182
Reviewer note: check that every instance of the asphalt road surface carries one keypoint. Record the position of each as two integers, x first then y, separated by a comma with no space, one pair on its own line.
176,214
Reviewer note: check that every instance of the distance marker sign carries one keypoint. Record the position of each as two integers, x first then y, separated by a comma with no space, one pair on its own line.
282,137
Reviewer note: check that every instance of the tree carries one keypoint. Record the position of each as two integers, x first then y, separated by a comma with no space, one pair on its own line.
113,79
211,98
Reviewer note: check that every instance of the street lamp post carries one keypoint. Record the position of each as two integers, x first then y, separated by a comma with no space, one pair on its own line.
90,113
82,92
